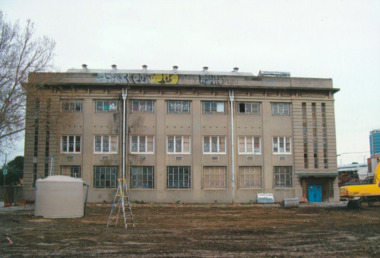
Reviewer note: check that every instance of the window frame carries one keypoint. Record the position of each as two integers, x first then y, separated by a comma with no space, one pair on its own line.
176,103
142,108
171,175
244,172
284,141
175,137
246,152
281,108
112,179
209,184
67,144
238,107
210,144
211,111
140,182
71,168
131,149
103,110
112,139
72,106
288,177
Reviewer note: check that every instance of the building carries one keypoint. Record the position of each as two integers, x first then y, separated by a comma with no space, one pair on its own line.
374,142
190,136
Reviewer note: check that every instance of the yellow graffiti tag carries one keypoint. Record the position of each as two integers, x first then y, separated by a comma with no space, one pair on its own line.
161,78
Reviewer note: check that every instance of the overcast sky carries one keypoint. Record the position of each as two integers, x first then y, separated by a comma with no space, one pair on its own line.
335,39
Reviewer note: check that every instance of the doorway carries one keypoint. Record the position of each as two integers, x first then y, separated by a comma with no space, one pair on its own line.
315,192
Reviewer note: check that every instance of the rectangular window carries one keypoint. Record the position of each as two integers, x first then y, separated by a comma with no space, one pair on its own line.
315,138
214,144
142,106
214,177
72,106
305,136
105,177
249,108
213,107
73,171
178,177
249,145
106,105
178,144
71,144
142,177
178,106
142,144
324,135
282,145
282,177
281,109
106,144
249,177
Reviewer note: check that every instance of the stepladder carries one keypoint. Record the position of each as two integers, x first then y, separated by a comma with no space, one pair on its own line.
120,204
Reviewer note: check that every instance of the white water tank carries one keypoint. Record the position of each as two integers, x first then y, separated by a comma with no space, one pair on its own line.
59,197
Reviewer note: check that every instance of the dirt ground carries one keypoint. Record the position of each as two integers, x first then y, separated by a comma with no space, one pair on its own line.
197,230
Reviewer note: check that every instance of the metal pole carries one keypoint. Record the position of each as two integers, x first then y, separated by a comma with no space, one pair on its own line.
231,93
51,173
124,95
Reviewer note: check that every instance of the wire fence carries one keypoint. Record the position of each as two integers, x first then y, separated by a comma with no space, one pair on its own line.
11,194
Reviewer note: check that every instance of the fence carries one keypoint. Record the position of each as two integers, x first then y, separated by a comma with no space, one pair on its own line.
11,194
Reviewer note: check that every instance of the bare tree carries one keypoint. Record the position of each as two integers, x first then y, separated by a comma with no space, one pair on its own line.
20,53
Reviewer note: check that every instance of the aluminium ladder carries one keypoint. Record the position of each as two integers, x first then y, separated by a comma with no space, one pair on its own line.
119,204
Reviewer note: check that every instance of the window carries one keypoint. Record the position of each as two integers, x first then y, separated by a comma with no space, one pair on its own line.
324,135
249,145
142,106
71,144
249,108
142,144
214,144
106,105
142,177
72,106
178,177
178,106
249,177
214,177
106,144
281,109
315,138
105,177
178,144
282,177
305,136
213,107
282,145
73,171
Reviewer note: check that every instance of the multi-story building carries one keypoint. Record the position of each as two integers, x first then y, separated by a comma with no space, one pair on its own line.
183,135
374,142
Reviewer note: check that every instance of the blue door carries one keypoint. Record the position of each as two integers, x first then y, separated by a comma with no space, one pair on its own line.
315,193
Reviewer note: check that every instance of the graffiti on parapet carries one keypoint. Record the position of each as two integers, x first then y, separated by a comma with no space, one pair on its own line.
112,77
211,80
140,78
162,78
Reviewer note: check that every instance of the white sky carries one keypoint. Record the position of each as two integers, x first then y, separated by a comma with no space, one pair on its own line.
335,39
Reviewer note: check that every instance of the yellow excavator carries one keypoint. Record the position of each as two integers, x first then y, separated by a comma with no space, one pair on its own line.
359,193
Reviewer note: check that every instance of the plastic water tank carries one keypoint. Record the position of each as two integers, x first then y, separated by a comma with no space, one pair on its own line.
59,197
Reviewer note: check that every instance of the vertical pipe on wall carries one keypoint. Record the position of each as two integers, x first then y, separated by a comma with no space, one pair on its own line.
231,95
124,96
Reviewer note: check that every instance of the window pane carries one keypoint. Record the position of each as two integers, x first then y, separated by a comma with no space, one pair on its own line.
222,144
106,146
98,143
220,107
178,144
206,144
142,144
170,144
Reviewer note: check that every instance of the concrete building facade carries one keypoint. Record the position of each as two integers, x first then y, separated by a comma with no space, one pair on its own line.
189,136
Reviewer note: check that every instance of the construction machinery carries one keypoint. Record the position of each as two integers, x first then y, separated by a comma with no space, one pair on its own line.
358,193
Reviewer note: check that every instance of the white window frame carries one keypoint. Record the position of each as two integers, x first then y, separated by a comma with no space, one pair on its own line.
176,140
136,149
281,109
208,142
279,145
247,148
71,106
112,105
147,107
113,144
248,111
215,107
67,144
177,106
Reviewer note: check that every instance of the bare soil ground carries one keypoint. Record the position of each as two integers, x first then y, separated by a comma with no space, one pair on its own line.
197,230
